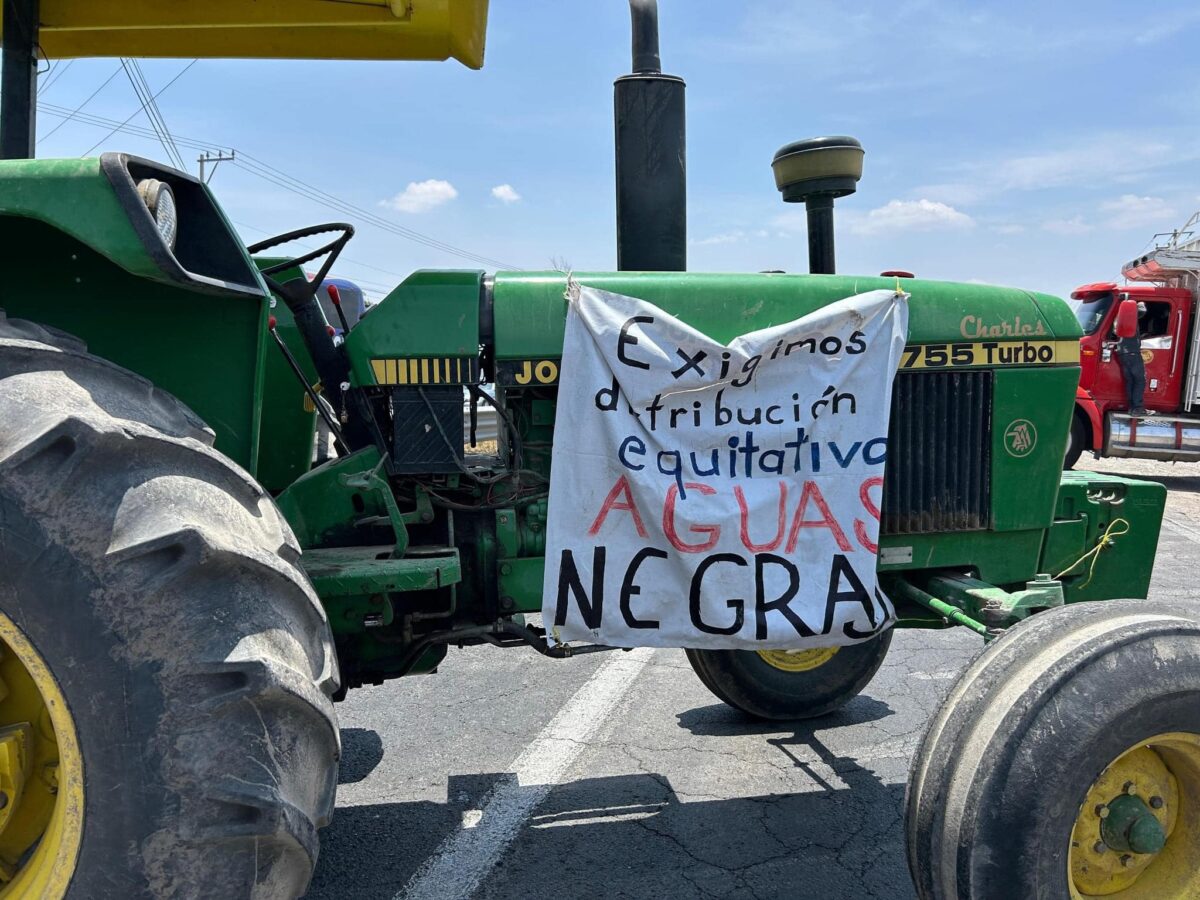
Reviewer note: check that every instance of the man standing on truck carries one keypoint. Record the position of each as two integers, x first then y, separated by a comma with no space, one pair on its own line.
1129,355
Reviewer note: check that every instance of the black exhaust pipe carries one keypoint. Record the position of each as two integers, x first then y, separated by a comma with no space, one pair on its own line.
651,155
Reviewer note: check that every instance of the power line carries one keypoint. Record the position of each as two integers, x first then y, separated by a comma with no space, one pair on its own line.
102,122
136,111
141,88
144,99
75,111
263,170
53,75
301,188
154,108
304,189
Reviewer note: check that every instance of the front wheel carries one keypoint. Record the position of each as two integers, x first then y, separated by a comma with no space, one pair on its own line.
1076,442
1066,763
788,684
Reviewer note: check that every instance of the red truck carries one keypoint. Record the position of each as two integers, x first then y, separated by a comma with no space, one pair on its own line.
1167,281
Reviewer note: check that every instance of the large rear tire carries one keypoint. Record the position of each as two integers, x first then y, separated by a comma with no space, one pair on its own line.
1076,726
782,685
180,719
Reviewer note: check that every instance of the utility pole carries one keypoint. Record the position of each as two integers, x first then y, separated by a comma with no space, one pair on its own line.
216,159
18,80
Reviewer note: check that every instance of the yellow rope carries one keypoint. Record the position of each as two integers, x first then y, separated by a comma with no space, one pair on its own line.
1110,534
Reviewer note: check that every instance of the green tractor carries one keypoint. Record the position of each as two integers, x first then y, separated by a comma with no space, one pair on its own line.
184,595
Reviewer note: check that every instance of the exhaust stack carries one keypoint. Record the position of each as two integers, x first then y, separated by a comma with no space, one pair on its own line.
816,172
650,126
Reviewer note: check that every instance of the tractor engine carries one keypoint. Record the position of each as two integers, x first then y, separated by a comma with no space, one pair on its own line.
462,520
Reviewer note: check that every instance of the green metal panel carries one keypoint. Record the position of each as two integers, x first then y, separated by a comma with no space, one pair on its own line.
1002,557
206,349
1087,507
431,314
92,263
1031,420
288,420
323,505
521,583
531,312
75,197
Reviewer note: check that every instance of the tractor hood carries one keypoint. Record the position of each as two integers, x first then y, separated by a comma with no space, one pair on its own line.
530,310
520,317
278,29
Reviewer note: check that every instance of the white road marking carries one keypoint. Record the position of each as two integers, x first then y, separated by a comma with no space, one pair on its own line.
465,858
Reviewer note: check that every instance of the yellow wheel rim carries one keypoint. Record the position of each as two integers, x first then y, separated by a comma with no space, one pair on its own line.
798,660
41,776
1164,773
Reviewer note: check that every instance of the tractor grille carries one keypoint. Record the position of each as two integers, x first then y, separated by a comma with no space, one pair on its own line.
939,465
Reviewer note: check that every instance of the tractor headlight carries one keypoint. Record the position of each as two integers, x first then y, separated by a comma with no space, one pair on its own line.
161,202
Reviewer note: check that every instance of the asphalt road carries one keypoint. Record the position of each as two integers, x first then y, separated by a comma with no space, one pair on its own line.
618,775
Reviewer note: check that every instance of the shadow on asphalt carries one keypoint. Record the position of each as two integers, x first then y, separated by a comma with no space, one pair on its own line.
719,720
633,836
362,751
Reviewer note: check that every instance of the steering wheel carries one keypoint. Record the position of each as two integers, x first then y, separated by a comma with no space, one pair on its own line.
331,251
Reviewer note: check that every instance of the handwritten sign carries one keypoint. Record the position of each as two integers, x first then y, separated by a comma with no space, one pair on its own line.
714,496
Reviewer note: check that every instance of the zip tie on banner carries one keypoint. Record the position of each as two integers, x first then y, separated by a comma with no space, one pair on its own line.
571,292
1106,540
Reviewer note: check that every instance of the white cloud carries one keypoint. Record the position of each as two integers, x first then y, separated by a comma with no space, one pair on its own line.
1097,159
792,220
911,215
728,237
1129,211
950,35
1091,159
1009,229
422,196
1073,225
1170,27
505,193
955,193
1132,211
737,236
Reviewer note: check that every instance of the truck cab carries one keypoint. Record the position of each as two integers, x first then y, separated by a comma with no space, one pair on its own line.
1163,286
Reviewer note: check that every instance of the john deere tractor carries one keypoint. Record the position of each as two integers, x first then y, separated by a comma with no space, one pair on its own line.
184,594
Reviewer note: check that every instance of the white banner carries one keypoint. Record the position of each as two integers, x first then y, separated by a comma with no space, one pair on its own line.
716,496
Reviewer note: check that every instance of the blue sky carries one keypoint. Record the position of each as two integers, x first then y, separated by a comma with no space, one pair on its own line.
1035,144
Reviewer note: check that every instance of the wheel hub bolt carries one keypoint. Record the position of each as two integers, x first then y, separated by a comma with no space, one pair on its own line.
1156,802
1102,811
1125,860
1099,847
1130,788
3,799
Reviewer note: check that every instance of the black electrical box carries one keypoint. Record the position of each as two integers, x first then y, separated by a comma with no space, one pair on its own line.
427,429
